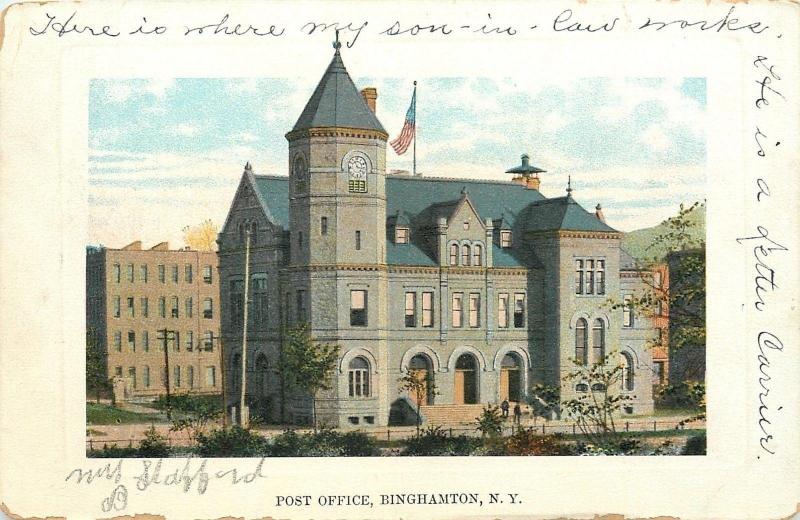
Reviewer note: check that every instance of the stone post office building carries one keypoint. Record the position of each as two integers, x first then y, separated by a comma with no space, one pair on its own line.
486,287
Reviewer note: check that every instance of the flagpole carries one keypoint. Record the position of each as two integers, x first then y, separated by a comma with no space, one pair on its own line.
415,128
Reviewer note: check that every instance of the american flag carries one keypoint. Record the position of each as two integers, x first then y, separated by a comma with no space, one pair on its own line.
400,144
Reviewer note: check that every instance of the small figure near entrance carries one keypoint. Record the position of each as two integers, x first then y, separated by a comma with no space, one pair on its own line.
504,407
517,413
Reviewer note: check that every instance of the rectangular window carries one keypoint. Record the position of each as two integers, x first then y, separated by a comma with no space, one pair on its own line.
211,376
207,274
162,273
590,277
145,341
146,377
358,308
427,309
208,341
131,341
188,274
411,309
164,376
132,376
401,236
162,307
130,273
260,301
208,309
505,239
116,274
118,341
474,310
458,309
190,341
502,311
358,240
144,305
175,274
300,297
190,376
519,310
118,371
175,307
323,225
131,307
176,376
116,307
176,341
143,273
189,307
578,276
658,372
600,277
453,254
627,311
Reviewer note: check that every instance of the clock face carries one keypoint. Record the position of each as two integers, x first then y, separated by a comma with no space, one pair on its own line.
357,168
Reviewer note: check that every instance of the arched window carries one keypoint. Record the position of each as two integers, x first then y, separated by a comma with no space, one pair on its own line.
580,341
454,254
627,372
477,255
358,377
599,340
254,233
299,173
262,367
465,254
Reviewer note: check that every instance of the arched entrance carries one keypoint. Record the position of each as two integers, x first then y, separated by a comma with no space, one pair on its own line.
262,386
511,377
420,368
466,380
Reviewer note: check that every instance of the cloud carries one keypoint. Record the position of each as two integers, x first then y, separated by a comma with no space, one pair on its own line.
655,138
186,129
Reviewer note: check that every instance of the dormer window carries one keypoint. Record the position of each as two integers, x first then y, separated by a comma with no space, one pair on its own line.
505,238
401,235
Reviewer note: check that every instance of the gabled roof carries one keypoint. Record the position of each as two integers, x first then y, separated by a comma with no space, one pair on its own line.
562,213
419,198
336,102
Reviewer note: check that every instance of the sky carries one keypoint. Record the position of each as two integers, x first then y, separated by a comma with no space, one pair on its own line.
167,153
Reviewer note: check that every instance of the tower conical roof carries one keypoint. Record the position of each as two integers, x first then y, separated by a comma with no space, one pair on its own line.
336,102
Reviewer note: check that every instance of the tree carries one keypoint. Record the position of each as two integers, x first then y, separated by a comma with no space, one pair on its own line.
197,415
594,408
308,365
418,387
545,400
202,237
490,421
97,380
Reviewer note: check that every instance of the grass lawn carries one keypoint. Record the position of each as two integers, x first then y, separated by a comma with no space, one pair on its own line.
685,412
105,414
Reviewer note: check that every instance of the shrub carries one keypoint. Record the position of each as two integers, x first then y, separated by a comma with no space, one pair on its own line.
190,403
490,421
325,443
231,442
435,441
114,452
153,445
695,445
526,442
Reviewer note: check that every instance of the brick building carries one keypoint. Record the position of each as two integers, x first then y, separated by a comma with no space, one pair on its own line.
485,287
153,307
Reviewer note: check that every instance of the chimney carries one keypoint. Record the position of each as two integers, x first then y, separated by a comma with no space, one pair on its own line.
370,95
598,212
134,246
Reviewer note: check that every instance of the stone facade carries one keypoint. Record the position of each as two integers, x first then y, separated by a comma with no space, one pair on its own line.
474,283
134,296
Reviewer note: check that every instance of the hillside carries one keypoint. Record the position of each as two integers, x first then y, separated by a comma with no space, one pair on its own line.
637,243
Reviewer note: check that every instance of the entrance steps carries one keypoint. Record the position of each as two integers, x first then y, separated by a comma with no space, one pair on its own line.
447,415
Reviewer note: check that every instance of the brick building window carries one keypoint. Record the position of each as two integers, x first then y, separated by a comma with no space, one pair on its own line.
208,341
188,274
132,376
118,341
144,305
118,371
590,276
208,308
323,225
260,302
116,307
143,273
236,298
132,341
116,273
411,309
474,310
176,376
599,340
162,307
580,342
502,311
189,341
174,307
358,308
627,311
600,277
505,239
145,341
190,376
453,254
207,277
457,309
175,276
519,310
627,372
189,304
211,376
465,254
358,240
131,307
427,309
358,377
401,235
162,273
146,376
130,273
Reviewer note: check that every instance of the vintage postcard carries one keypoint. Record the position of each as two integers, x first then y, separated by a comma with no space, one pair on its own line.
400,260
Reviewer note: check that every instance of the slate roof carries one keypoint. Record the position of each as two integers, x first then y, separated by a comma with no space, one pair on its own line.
423,199
337,102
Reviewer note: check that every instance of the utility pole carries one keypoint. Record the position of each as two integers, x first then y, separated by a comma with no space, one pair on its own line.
222,378
243,412
165,343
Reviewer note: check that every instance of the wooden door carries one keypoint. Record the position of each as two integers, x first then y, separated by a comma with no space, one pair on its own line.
504,389
470,387
513,385
458,390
